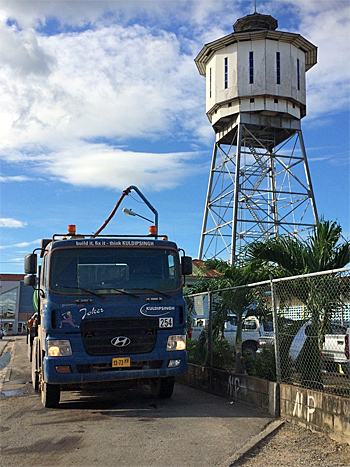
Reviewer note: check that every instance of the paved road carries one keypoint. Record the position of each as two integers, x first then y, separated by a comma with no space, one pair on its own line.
130,428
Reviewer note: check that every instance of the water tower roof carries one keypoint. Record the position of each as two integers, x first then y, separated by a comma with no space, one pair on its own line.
255,22
298,41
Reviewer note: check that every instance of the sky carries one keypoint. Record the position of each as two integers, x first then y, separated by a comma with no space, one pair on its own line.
96,96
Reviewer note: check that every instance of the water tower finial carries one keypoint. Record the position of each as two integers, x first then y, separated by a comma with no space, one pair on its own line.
255,22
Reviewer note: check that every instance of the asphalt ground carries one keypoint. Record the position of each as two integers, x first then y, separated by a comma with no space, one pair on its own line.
277,443
15,380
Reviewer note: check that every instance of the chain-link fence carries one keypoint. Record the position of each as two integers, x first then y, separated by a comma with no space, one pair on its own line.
294,330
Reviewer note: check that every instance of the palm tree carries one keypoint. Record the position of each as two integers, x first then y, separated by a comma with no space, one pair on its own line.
321,251
288,256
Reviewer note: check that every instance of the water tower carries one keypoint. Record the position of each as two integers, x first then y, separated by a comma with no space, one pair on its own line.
259,183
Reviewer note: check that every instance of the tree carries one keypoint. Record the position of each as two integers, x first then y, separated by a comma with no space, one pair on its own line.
229,301
287,255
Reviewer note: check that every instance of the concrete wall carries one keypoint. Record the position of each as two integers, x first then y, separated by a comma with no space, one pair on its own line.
255,391
317,411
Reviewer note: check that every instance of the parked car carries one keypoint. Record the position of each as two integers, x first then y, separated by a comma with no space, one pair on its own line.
334,350
252,330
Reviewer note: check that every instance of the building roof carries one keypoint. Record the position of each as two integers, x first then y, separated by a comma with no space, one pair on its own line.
12,277
198,270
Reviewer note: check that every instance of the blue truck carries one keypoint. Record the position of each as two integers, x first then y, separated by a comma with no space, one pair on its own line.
110,313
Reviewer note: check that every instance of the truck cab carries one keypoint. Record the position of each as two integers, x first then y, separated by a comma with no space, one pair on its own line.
110,312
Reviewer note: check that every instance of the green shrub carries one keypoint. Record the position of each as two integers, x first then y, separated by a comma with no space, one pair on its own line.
195,353
262,366
223,353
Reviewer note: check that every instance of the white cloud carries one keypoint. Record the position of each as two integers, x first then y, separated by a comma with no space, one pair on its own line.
11,223
21,245
111,82
330,31
14,178
29,58
100,165
118,81
16,260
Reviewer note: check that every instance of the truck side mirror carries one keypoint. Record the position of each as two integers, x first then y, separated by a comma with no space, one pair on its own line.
186,265
30,279
30,263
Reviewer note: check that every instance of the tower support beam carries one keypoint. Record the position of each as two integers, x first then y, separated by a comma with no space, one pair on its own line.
257,189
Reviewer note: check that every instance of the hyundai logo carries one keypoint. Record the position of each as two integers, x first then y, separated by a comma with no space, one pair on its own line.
120,341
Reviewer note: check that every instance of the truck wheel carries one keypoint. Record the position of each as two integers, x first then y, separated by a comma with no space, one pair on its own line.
50,395
249,350
162,387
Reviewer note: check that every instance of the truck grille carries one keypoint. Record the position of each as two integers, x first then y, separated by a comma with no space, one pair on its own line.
101,367
139,335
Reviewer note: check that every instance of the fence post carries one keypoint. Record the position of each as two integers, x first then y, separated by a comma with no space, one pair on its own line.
276,332
210,337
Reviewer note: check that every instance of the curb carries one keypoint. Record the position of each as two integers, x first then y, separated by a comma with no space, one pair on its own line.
252,443
4,346
5,374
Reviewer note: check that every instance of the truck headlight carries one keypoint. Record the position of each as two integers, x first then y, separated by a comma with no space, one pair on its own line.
59,348
176,342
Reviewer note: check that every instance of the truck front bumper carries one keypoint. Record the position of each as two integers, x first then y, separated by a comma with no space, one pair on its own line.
73,371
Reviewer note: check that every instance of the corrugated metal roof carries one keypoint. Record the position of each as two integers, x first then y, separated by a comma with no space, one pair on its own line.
198,270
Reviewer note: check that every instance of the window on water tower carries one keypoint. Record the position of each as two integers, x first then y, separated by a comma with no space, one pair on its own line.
251,67
278,67
226,73
210,81
298,73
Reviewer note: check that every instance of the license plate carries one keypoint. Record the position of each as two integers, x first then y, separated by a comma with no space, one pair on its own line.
120,362
165,322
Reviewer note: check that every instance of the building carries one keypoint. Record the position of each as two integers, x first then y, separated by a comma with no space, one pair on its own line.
16,303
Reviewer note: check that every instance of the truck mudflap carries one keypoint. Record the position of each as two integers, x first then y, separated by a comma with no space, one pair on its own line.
63,370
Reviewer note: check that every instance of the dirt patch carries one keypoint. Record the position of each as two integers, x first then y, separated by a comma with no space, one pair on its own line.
295,446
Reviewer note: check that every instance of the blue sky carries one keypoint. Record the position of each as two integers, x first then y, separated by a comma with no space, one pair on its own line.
100,95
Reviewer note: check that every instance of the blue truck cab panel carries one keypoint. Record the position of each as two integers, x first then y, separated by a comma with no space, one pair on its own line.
111,309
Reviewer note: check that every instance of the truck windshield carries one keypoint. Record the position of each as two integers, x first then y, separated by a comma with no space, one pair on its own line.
114,270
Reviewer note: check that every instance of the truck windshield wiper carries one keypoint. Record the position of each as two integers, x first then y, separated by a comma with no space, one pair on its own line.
122,291
82,288
155,291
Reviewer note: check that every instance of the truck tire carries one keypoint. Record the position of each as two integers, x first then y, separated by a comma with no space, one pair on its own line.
35,366
249,350
162,387
50,395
